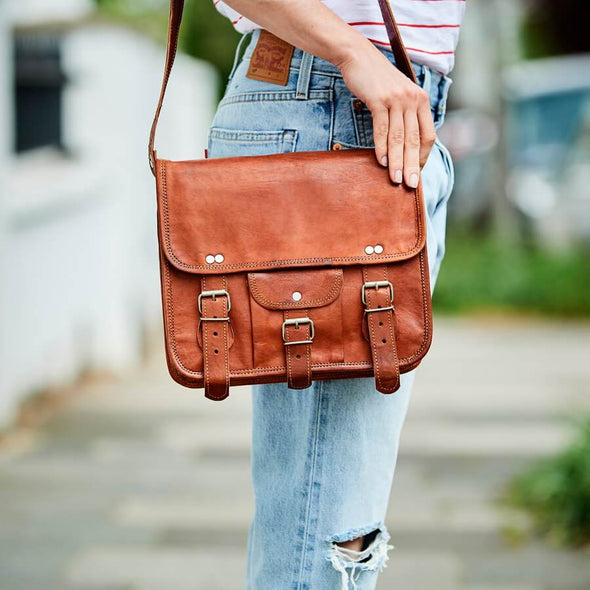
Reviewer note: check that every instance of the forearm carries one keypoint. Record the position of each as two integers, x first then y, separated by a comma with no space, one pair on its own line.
307,24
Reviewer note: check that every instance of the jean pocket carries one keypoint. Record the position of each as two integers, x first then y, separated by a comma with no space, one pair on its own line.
223,142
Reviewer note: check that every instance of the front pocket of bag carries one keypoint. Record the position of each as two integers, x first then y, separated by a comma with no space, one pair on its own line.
223,142
290,294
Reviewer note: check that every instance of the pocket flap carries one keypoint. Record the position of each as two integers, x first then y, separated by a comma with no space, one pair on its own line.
306,209
289,289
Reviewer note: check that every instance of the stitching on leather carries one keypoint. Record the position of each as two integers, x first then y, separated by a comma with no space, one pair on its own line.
308,353
205,342
329,298
389,326
226,335
390,315
206,351
373,339
245,265
199,374
261,370
288,352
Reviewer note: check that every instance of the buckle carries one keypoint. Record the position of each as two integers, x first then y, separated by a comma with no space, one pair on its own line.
376,285
213,295
295,322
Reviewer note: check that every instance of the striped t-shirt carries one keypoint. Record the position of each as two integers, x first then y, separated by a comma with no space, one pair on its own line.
429,28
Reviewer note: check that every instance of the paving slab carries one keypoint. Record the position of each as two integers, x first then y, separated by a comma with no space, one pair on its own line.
146,568
140,484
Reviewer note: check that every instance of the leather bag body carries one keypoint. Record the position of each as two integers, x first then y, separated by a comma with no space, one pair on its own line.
290,267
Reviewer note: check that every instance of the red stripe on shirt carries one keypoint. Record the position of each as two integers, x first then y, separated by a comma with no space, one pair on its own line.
414,48
362,23
430,52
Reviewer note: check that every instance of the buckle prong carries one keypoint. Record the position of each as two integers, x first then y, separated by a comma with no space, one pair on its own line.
375,285
213,295
296,322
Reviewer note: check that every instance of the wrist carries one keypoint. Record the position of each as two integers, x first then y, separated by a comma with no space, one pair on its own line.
350,48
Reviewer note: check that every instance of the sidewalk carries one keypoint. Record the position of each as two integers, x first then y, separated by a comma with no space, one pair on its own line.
143,485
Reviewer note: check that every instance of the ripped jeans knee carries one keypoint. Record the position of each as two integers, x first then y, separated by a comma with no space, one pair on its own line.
351,564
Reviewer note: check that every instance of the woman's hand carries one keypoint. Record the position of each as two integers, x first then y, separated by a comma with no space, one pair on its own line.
402,123
403,128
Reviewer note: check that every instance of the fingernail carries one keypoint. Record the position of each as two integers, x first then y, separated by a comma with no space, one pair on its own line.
398,177
384,160
414,180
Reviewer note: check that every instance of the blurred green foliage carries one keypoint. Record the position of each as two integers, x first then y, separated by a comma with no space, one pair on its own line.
481,273
148,17
204,34
556,28
556,491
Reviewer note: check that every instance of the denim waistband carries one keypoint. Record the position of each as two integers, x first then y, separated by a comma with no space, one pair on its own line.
434,83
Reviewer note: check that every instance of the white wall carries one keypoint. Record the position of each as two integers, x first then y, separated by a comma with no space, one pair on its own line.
41,11
5,140
79,257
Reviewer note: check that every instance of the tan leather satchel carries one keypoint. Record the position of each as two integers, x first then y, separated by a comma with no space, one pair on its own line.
290,267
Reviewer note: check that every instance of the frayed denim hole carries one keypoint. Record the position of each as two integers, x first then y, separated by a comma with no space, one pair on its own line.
350,563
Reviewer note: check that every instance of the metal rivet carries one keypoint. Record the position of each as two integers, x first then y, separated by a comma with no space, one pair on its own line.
378,249
337,146
210,259
296,296
219,258
358,105
369,249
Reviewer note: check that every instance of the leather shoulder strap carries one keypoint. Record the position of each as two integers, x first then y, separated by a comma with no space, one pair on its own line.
402,59
176,7
174,19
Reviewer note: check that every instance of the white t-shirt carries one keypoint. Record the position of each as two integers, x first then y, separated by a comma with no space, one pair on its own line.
429,28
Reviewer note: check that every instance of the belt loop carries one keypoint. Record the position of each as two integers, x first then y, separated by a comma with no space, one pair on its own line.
427,79
304,75
237,53
444,86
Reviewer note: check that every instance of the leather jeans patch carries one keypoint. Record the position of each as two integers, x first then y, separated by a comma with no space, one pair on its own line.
271,59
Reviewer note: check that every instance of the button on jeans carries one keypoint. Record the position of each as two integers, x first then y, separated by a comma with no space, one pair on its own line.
323,458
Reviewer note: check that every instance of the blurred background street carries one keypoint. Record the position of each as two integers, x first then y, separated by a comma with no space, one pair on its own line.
138,484
114,478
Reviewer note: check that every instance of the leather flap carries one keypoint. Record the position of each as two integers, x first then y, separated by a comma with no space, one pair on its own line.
301,209
296,289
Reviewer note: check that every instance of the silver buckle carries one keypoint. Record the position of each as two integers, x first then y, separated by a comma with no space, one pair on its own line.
213,295
295,322
375,285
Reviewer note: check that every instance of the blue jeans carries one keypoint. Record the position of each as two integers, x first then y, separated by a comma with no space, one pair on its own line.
323,459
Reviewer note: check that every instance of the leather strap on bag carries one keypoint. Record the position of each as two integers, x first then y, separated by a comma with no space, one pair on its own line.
176,7
377,297
297,339
402,59
214,305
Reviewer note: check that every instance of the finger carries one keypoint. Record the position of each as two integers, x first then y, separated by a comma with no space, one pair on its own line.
380,131
411,149
395,145
427,132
